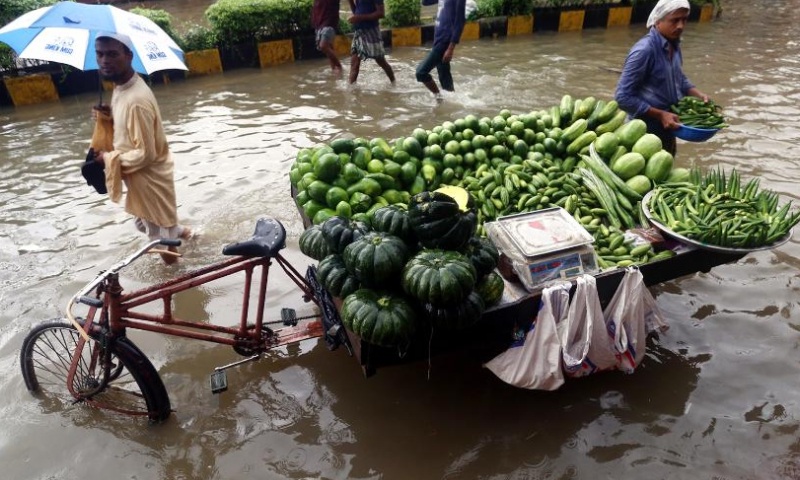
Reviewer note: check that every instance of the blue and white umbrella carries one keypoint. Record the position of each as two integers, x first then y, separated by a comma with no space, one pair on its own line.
65,33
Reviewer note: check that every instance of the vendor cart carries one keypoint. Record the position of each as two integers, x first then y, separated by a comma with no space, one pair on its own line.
496,330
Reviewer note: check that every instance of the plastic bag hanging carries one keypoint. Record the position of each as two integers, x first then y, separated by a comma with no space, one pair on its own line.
625,320
587,346
535,363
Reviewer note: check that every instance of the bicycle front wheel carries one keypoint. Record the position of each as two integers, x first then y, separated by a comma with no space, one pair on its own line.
133,385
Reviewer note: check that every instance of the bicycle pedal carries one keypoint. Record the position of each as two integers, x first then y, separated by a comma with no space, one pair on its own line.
219,381
289,317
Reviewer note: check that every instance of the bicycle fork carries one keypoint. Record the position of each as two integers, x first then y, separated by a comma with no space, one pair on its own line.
92,384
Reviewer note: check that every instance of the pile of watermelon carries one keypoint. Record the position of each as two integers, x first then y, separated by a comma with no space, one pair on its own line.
412,269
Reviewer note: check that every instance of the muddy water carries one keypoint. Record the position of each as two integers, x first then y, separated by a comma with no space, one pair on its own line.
717,397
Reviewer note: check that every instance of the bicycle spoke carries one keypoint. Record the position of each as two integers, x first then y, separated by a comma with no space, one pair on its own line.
53,349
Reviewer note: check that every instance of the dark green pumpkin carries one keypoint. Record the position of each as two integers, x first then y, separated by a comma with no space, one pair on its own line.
376,259
380,319
333,275
313,244
490,288
438,277
393,219
455,317
438,222
483,255
340,232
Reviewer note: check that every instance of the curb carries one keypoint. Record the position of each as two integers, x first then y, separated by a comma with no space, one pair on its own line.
48,87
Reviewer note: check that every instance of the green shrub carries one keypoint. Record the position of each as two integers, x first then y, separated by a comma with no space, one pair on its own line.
197,37
519,7
160,18
402,13
235,21
10,10
489,8
345,27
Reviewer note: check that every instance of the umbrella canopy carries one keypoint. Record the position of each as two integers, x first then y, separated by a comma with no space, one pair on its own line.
66,31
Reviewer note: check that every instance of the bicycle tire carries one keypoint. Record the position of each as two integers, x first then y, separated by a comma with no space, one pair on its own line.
134,386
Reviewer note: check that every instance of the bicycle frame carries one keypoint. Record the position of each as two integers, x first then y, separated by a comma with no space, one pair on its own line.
117,313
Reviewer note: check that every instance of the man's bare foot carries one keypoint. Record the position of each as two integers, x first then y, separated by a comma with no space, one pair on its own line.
186,234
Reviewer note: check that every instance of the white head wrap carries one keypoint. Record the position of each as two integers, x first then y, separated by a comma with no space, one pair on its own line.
664,8
123,39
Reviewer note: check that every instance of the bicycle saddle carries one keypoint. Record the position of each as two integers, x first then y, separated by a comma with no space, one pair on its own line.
268,239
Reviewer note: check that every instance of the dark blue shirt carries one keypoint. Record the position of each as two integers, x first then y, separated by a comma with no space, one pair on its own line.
365,7
449,22
650,78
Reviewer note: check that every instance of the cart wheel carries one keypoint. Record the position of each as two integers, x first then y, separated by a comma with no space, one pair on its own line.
133,387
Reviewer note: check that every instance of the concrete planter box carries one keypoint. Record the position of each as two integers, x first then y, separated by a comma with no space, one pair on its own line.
619,16
341,45
31,89
546,19
596,16
571,20
406,37
276,52
472,31
493,27
707,12
240,55
203,62
520,25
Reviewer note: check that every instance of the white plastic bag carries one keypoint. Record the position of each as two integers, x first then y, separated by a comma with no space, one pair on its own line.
536,363
586,344
625,319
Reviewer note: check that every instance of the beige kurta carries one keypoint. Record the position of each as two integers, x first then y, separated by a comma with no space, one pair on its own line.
141,156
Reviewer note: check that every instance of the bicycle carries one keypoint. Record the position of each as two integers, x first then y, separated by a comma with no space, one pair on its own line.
93,361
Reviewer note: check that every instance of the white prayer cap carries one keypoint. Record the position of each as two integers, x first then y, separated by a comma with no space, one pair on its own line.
664,8
123,39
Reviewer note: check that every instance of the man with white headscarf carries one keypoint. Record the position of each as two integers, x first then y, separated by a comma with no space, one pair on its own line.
652,78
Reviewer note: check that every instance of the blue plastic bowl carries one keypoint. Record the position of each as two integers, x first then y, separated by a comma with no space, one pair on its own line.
693,134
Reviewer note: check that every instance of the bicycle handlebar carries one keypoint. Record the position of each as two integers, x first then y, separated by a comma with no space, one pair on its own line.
82,295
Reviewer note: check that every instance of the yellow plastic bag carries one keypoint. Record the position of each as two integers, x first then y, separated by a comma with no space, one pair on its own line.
103,136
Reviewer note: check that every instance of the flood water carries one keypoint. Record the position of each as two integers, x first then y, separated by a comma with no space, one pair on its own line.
716,397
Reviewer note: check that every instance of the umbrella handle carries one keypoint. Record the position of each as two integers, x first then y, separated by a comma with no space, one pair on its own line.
100,88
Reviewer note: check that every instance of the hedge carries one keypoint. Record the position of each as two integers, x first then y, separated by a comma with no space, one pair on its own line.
197,37
236,21
402,13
